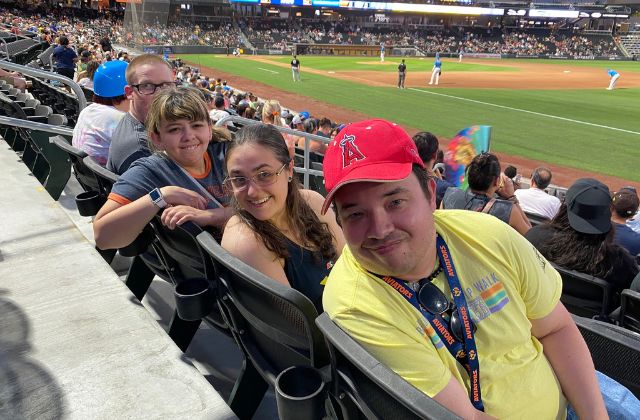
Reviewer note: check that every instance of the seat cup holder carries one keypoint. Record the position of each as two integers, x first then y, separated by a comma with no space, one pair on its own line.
88,203
194,299
300,393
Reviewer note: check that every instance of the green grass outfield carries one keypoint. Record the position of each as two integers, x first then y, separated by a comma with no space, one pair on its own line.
591,129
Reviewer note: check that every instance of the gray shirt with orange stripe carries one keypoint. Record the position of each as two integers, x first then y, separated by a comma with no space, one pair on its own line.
157,171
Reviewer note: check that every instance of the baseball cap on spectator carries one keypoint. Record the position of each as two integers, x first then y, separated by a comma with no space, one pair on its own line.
589,206
626,202
109,80
285,113
304,115
296,120
371,150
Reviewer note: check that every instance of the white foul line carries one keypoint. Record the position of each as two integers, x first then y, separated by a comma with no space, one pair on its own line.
270,71
527,112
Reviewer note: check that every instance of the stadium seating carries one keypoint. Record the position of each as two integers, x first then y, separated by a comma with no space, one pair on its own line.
585,295
364,388
184,259
536,219
614,350
630,310
273,323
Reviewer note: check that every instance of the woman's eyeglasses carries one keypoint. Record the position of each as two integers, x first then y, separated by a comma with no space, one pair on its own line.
434,300
261,179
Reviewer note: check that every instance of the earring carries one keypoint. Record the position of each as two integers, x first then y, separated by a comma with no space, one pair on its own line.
290,178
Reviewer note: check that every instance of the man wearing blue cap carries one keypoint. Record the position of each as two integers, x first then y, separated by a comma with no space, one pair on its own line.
97,122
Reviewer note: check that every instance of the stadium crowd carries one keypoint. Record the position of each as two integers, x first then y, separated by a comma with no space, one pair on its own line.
162,142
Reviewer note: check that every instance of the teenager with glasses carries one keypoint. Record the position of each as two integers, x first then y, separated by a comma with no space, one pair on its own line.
517,353
147,75
277,227
184,176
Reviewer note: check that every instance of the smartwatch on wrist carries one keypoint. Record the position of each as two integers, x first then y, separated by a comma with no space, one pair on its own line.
157,198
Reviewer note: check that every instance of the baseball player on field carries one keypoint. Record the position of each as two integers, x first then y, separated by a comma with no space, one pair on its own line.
435,72
614,78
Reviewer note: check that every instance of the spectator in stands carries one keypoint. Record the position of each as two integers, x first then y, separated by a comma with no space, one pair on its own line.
531,353
535,200
624,206
277,228
428,146
580,237
218,112
325,127
65,58
271,114
490,191
14,78
184,177
85,79
97,122
147,75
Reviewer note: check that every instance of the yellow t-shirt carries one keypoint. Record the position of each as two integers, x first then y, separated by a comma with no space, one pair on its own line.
506,283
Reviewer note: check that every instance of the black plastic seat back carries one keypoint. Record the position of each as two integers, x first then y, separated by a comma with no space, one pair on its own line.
85,177
585,295
630,310
614,350
104,177
536,219
365,388
272,322
184,259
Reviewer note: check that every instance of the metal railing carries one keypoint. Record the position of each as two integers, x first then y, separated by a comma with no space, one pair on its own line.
30,71
32,125
305,170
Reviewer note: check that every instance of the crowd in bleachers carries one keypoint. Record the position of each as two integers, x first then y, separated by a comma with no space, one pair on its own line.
209,34
169,156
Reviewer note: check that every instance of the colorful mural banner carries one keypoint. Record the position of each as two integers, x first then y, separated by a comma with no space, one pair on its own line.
468,143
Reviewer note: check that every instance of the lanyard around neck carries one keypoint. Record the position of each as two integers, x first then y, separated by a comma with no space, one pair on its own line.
469,358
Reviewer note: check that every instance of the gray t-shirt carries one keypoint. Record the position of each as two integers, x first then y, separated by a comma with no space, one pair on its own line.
128,144
157,171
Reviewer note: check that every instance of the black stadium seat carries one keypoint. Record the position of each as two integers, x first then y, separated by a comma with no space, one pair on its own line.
273,323
630,310
614,350
364,388
585,295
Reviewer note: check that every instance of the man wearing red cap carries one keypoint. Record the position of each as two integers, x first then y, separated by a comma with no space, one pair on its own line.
456,302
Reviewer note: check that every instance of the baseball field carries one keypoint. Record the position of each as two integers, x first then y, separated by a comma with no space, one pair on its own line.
553,112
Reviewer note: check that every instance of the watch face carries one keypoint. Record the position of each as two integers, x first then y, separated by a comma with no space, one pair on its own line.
155,194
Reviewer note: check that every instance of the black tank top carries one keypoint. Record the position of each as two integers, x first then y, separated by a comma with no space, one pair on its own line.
305,274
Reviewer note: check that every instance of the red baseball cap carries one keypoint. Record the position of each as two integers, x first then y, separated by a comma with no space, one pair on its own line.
371,150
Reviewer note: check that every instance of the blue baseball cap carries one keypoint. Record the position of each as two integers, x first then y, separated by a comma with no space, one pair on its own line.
304,115
109,80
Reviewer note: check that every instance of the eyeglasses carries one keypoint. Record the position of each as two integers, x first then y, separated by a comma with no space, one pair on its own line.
433,300
150,88
261,179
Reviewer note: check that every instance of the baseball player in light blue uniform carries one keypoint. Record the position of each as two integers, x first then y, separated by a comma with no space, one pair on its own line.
382,51
437,69
614,78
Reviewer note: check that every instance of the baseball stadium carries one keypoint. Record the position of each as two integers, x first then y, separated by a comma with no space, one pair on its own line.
227,209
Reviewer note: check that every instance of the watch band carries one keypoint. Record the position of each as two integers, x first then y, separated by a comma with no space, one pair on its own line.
157,198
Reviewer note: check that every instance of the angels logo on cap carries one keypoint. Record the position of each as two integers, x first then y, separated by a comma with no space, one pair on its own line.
368,151
350,151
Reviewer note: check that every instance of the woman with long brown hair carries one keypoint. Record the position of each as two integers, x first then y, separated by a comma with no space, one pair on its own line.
277,227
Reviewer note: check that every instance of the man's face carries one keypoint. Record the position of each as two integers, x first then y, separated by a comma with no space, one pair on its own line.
146,73
389,226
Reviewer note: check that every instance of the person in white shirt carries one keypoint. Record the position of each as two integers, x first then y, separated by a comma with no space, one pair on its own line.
535,200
